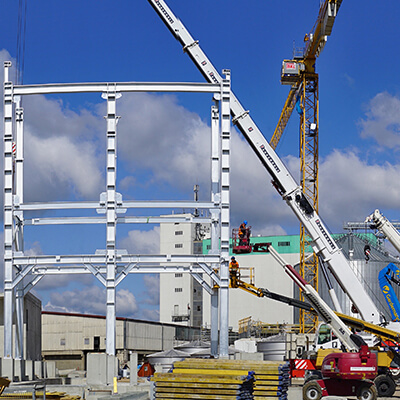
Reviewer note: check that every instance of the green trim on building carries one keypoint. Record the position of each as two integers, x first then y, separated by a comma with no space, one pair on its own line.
285,244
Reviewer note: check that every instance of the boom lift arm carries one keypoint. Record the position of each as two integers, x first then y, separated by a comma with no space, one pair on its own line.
262,292
387,275
322,242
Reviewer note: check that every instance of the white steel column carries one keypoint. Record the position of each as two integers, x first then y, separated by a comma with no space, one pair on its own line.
111,214
8,212
225,216
215,215
18,220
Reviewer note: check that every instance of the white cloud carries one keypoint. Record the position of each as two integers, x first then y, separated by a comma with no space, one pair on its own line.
142,242
152,293
92,300
382,122
158,134
126,305
350,189
57,167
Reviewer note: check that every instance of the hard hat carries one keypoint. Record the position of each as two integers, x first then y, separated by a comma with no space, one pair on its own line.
233,258
245,222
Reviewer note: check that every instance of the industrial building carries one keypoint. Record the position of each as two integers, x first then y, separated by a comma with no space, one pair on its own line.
68,338
32,327
181,297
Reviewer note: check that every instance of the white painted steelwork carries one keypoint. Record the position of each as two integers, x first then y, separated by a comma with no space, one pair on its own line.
111,265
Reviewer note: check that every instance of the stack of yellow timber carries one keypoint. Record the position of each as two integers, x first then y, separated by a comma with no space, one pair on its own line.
272,378
215,385
223,380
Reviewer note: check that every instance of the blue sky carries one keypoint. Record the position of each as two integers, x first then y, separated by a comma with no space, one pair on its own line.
164,139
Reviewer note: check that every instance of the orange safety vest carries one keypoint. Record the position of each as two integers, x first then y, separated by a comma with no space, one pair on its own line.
234,266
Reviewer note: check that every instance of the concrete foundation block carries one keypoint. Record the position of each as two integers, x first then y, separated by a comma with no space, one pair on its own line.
29,370
133,363
38,368
19,370
8,368
101,369
50,369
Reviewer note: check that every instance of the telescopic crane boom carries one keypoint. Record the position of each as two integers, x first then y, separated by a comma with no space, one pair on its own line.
322,242
380,222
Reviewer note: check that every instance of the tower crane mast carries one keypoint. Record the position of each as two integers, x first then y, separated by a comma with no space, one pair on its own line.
300,73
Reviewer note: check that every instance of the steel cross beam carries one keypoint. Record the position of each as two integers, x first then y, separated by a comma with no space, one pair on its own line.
110,265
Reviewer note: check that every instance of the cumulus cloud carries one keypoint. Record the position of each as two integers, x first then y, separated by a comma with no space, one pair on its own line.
158,134
152,293
382,121
350,188
92,301
142,242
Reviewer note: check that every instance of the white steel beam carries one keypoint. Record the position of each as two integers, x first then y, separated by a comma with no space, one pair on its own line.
216,213
126,204
120,220
225,216
121,259
111,206
117,87
8,212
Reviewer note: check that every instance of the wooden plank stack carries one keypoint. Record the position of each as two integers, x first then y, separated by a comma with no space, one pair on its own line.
223,380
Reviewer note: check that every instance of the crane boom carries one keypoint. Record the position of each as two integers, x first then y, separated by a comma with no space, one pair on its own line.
322,242
386,227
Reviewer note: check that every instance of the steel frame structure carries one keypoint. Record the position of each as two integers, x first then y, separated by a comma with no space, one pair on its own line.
111,265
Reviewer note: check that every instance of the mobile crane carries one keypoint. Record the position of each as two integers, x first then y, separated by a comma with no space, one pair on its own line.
380,222
339,323
322,242
334,331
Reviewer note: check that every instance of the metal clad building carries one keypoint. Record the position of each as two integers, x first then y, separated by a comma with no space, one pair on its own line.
68,338
32,327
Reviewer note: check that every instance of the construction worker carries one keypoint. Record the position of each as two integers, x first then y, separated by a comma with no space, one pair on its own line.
244,234
234,271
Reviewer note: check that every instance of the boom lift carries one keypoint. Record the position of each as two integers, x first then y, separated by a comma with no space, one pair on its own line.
322,242
391,272
387,275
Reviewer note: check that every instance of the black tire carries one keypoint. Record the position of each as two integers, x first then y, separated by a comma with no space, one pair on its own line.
385,385
312,377
312,391
367,392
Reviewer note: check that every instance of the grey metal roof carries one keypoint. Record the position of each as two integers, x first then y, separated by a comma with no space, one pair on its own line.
352,245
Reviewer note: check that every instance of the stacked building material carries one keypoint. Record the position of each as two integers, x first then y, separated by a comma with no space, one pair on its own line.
223,380
272,378
216,385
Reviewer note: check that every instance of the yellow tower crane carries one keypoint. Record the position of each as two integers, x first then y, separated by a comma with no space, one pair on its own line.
300,74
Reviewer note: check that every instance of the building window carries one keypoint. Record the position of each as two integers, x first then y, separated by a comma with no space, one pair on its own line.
178,233
86,341
62,342
178,245
178,275
178,289
283,243
209,247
